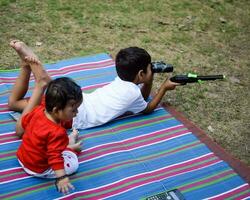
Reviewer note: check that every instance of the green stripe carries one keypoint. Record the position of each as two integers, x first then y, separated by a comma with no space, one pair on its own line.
210,183
12,173
30,191
84,177
84,78
131,128
8,137
8,158
93,131
136,142
202,179
6,152
143,179
9,70
137,161
11,122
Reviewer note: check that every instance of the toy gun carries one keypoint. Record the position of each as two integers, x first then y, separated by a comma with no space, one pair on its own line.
194,78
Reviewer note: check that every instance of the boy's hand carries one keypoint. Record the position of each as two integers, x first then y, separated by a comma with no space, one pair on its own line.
64,185
169,85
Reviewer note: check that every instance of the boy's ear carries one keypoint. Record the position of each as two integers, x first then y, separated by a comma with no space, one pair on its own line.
55,110
140,75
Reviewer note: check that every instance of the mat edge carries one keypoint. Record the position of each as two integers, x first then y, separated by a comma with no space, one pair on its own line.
240,167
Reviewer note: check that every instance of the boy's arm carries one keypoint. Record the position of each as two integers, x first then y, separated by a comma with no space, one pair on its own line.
167,85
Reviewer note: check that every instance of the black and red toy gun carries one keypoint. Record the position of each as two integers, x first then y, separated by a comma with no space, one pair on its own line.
194,78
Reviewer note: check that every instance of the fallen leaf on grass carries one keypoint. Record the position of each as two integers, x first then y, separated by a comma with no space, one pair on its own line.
210,128
39,43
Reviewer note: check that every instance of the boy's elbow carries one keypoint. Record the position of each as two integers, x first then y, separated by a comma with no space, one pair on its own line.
148,110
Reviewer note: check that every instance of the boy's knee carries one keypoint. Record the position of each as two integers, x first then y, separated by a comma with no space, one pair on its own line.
70,162
11,104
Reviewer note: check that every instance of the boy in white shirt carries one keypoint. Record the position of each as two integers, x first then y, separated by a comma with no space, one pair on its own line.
124,94
127,93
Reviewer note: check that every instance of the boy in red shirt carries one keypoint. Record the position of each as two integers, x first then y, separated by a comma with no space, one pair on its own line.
46,150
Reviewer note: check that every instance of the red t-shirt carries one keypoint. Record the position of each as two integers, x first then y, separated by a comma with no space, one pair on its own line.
43,141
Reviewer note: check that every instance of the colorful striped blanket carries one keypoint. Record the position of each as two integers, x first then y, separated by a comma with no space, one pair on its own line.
132,157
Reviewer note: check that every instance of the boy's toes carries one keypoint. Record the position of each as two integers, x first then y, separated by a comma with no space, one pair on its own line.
32,59
12,42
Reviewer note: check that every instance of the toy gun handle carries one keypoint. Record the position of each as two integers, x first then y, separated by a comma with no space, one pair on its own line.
193,78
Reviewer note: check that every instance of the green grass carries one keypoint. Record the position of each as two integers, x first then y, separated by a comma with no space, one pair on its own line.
201,36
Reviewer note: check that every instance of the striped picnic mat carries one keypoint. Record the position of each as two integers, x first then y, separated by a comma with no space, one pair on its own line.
129,158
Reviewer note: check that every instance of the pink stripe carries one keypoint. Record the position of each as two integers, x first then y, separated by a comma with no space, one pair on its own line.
126,126
6,121
135,161
67,69
10,137
231,193
94,86
9,140
74,70
19,169
5,106
84,66
26,190
152,179
7,155
6,140
150,175
104,168
207,180
11,134
13,177
138,184
139,138
243,196
121,146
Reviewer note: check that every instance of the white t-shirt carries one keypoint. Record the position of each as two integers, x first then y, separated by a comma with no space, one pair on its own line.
109,102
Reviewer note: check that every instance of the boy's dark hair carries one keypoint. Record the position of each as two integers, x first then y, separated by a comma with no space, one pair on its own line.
130,61
60,91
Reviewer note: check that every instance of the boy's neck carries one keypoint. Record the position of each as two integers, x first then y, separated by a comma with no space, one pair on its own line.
51,117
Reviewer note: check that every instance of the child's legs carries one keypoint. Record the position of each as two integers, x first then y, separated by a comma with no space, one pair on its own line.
70,166
16,101
35,99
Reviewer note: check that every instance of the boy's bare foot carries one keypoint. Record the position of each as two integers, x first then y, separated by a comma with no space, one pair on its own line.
24,51
77,146
73,141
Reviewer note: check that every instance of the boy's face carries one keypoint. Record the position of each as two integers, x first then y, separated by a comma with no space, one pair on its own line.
70,111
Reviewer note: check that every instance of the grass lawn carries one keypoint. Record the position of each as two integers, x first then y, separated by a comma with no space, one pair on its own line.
201,36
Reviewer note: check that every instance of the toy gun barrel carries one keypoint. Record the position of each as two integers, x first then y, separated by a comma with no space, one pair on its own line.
193,78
